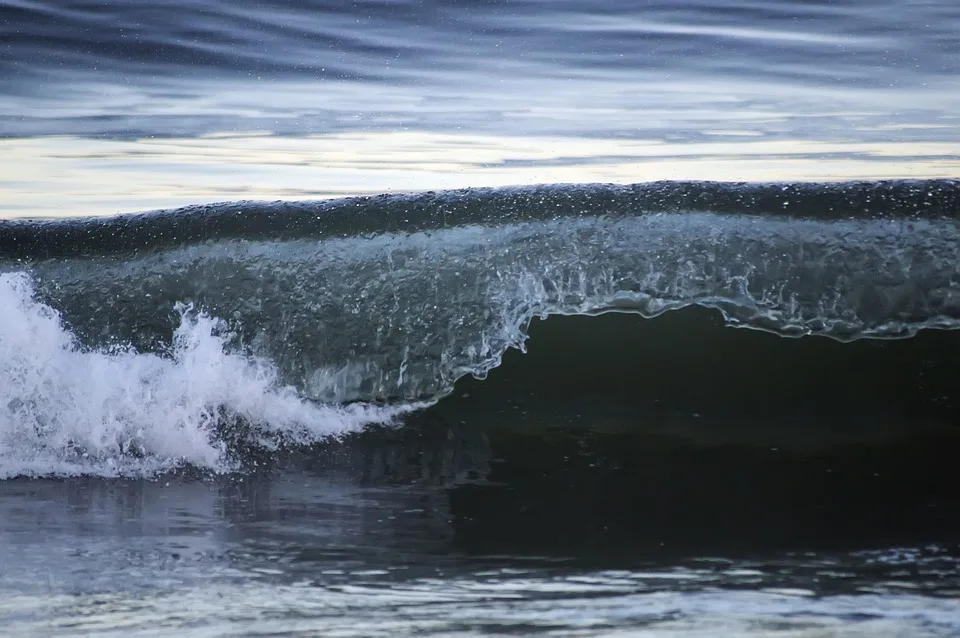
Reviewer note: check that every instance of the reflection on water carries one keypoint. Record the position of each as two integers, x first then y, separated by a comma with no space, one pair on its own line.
52,176
298,553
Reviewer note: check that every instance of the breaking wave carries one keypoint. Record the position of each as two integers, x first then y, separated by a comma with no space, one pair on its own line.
138,343
69,410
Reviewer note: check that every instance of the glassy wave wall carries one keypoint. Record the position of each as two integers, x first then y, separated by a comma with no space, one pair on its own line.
285,314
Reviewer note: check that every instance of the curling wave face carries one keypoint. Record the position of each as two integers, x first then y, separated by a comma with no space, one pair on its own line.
397,297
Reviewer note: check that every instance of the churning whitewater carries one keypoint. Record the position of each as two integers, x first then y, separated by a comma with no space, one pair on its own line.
67,410
129,343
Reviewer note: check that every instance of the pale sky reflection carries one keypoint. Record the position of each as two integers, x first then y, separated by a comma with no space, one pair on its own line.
58,176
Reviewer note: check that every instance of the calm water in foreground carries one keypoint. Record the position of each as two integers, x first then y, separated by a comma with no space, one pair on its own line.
299,554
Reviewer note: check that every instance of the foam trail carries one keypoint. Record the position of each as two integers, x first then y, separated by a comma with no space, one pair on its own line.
69,411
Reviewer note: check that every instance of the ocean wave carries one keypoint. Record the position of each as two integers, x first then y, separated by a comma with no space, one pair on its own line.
395,298
135,342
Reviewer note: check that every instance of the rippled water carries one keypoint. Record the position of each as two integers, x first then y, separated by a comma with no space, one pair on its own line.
300,554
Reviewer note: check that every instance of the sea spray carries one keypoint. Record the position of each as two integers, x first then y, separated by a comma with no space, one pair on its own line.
69,410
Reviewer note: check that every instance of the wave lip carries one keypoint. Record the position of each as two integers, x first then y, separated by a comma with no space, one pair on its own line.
29,240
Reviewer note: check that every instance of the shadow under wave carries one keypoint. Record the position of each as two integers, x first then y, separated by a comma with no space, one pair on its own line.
681,434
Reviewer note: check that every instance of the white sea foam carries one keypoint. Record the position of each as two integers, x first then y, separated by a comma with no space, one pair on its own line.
66,410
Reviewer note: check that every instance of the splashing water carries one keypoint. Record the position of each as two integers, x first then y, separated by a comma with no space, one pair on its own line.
110,412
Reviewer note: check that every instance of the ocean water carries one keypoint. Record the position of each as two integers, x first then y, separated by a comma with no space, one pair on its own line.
503,317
